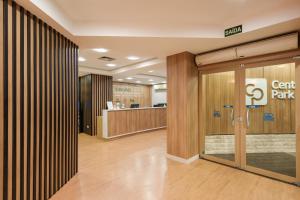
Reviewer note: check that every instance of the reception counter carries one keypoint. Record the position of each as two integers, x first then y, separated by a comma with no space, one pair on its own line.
116,123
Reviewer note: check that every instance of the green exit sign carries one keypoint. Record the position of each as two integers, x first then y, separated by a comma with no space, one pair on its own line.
233,30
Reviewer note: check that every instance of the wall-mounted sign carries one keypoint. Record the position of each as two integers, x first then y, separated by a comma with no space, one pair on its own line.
253,106
228,106
283,90
217,114
257,88
256,91
122,89
233,30
268,117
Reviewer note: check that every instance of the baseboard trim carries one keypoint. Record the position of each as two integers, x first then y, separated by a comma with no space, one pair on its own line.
183,160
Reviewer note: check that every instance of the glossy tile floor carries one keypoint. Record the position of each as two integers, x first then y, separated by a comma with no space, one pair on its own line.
136,168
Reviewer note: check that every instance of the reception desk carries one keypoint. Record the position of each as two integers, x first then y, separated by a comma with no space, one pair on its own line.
116,123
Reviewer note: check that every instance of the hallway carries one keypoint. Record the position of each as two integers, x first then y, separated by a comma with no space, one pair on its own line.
136,168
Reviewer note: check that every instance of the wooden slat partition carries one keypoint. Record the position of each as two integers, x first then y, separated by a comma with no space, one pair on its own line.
95,91
101,93
38,106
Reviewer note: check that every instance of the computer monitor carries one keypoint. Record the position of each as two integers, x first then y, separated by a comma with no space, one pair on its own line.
135,105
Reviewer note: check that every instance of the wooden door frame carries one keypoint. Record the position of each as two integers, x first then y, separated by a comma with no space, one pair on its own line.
239,66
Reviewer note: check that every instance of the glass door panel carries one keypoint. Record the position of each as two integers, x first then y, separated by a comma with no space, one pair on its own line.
218,99
270,118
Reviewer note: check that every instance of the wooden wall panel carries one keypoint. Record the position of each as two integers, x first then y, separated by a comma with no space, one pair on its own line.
95,91
182,111
85,85
132,93
129,121
219,92
1,101
101,93
38,115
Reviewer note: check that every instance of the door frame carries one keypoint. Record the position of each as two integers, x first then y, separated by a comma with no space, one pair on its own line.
202,116
239,67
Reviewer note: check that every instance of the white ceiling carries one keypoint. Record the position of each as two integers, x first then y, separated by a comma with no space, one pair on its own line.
168,18
158,28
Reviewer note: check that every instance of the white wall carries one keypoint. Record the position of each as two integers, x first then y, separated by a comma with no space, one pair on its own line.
159,96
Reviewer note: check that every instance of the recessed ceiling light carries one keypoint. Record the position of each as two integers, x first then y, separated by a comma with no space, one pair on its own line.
120,79
150,71
164,82
150,80
111,65
129,78
133,58
138,81
81,59
101,50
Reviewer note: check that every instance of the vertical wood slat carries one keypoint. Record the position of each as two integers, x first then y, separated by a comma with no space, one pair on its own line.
9,106
1,101
34,113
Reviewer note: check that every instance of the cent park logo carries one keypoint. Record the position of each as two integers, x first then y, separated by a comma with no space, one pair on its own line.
256,91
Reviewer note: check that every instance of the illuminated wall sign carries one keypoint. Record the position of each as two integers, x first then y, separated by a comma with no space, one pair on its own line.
256,91
233,30
283,90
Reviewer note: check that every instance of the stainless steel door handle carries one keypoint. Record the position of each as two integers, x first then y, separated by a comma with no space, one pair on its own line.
232,117
247,118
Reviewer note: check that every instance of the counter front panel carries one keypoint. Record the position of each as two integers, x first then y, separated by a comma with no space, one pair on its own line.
128,121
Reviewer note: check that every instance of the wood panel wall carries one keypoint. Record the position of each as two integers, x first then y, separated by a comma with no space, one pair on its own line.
95,91
85,96
101,93
132,93
131,121
219,91
38,114
283,110
182,111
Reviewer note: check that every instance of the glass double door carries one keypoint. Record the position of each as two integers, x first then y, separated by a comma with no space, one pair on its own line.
249,119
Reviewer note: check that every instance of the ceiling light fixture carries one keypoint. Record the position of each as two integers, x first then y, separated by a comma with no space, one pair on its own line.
129,78
138,81
150,71
81,59
101,50
120,79
150,80
111,65
133,58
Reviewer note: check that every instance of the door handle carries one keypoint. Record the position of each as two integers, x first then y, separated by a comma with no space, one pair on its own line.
231,113
232,117
247,118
